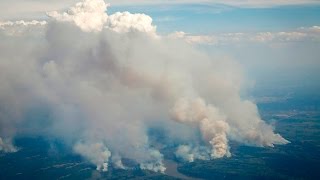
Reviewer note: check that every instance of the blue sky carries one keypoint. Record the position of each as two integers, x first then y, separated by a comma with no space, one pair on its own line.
206,19
197,17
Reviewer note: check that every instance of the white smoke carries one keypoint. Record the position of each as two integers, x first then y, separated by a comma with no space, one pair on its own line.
103,80
210,121
97,153
190,154
7,146
155,163
117,162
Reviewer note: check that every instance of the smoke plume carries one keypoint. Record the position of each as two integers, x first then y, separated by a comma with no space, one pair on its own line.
99,82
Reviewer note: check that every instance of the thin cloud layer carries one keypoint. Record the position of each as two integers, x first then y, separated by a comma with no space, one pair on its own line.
100,82
303,34
37,9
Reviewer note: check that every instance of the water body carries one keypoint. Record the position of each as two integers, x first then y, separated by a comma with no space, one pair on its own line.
172,170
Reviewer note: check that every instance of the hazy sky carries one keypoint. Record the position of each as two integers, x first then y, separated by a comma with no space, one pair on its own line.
278,43
268,37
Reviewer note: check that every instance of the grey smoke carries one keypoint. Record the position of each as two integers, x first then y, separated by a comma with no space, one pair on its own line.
103,80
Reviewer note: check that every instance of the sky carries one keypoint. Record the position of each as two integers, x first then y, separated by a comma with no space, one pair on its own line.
196,17
282,55
206,19
185,66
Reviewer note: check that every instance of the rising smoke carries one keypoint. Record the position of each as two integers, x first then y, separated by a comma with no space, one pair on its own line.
99,81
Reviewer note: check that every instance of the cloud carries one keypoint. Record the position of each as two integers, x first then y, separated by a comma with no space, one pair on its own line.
126,22
103,81
91,16
16,28
37,9
236,3
193,39
88,15
17,9
264,3
303,34
21,23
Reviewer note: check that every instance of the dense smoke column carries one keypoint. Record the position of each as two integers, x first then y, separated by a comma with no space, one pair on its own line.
96,75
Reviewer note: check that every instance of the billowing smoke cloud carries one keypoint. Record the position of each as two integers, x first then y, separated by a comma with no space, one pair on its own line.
100,81
211,123
97,153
